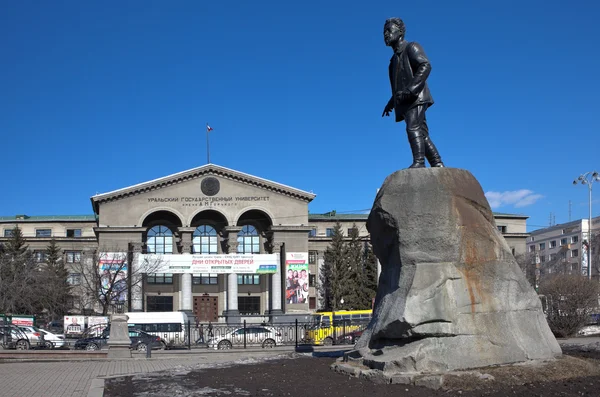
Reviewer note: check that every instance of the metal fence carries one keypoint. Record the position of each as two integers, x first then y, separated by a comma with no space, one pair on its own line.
220,336
245,335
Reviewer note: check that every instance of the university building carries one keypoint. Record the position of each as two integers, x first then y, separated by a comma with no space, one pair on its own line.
223,237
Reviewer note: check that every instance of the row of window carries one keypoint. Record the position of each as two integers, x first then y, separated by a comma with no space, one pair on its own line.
562,255
248,305
46,232
329,232
202,279
204,240
563,241
70,256
197,279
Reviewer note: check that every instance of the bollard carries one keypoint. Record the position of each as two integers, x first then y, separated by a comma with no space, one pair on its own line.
296,333
149,349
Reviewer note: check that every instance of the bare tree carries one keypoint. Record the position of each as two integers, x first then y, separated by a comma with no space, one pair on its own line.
569,301
107,279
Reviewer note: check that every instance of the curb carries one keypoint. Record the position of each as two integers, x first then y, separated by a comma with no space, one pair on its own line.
96,388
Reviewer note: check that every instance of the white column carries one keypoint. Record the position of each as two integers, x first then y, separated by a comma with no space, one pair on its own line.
276,281
186,292
233,314
137,297
136,285
232,293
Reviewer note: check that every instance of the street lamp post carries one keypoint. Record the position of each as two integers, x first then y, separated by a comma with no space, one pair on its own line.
588,179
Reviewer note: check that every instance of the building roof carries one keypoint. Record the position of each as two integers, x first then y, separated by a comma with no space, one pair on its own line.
506,215
334,216
194,173
561,226
48,218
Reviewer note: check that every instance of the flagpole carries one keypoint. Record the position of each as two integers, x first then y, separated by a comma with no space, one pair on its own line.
207,147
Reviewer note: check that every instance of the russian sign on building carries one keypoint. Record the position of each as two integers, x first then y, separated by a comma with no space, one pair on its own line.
215,264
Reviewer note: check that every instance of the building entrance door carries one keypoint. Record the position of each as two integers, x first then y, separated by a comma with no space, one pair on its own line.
206,308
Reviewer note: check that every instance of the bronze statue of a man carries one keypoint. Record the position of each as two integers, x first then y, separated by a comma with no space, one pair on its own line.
409,69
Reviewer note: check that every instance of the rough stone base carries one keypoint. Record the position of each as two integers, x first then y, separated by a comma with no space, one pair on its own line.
433,381
488,379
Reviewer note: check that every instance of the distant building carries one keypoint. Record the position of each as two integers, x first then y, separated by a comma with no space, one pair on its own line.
210,212
563,248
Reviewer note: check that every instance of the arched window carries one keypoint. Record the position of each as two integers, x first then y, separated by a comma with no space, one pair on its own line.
205,240
160,240
248,241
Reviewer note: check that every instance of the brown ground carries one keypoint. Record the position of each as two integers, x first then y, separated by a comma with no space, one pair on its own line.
575,374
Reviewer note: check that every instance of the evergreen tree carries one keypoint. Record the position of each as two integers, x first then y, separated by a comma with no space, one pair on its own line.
331,276
18,277
57,295
354,283
371,281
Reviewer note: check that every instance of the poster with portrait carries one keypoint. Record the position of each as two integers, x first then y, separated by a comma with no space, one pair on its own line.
296,281
113,276
74,325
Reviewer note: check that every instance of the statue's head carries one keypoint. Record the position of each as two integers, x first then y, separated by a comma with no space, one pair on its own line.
393,31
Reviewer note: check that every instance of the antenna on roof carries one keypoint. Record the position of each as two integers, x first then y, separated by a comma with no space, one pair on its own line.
569,210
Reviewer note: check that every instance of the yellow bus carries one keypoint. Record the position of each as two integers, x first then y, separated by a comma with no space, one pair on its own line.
329,328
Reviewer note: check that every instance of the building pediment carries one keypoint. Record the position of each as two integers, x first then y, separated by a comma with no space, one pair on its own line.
197,173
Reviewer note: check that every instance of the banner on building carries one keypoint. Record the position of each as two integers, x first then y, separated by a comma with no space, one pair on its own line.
584,259
296,282
215,264
113,276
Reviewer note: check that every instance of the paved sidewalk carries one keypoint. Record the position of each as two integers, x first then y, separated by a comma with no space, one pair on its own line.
68,378
74,378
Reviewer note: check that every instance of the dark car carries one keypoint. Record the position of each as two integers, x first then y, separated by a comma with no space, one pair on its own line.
350,338
139,341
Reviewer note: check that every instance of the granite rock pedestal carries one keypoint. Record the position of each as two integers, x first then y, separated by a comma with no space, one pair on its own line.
451,296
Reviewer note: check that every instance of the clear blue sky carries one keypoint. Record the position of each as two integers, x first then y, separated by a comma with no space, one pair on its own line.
97,97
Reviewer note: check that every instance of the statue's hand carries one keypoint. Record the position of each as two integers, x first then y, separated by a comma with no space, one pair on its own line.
388,109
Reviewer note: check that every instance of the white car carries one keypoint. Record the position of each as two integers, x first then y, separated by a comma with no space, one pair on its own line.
265,337
55,339
36,335
589,330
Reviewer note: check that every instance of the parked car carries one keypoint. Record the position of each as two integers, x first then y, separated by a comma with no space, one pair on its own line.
41,338
33,334
139,341
265,337
11,337
350,338
53,341
589,330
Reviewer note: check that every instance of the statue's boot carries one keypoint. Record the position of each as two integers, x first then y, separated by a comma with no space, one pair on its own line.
433,156
417,145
